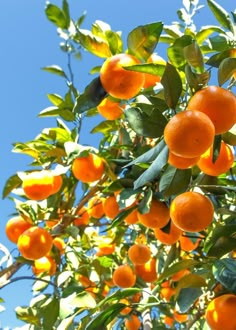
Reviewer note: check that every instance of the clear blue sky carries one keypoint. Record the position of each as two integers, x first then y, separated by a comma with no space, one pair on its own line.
29,42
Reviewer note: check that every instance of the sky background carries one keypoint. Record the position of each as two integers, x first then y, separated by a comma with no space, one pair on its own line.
28,43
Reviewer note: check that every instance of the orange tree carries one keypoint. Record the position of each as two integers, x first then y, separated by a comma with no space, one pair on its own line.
74,199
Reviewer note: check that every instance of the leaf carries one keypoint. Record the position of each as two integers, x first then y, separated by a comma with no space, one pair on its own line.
144,205
226,70
224,271
143,40
92,96
174,181
205,31
172,84
101,320
190,281
194,57
219,42
55,111
12,182
55,69
154,169
28,315
152,68
176,267
50,313
106,127
144,124
217,58
221,15
175,51
66,11
187,297
56,16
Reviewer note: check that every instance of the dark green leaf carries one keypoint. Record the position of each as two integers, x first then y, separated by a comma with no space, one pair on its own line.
226,70
187,297
56,16
174,181
66,12
50,313
217,58
216,147
154,170
221,15
172,84
13,182
219,43
224,271
144,124
143,40
144,205
92,96
55,69
194,57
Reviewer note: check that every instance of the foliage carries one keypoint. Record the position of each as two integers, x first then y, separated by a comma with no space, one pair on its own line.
81,295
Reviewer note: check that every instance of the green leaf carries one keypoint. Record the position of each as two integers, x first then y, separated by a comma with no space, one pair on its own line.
221,15
174,181
224,271
154,169
66,11
55,112
149,125
101,320
176,267
12,182
106,127
55,69
155,69
217,58
226,70
143,40
56,16
115,42
175,51
92,96
50,312
219,43
190,281
28,315
144,205
220,243
194,57
55,99
187,297
205,31
172,84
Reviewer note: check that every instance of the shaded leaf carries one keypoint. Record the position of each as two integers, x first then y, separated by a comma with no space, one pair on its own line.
224,271
12,182
217,58
226,70
187,297
143,40
194,57
172,84
144,205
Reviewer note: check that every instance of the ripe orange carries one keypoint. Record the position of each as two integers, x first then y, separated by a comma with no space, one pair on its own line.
88,168
124,277
189,134
34,243
109,109
83,217
59,244
168,238
186,244
139,254
168,320
181,318
181,273
167,292
105,249
57,183
222,164
111,207
45,265
95,207
125,310
191,211
132,322
157,217
132,217
220,313
118,82
152,79
147,272
218,104
181,162
38,185
15,227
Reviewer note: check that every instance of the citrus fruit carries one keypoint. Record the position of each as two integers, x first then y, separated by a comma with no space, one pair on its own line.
111,207
139,254
191,211
124,276
82,217
38,185
170,237
181,162
218,104
95,207
189,134
88,168
45,265
15,227
147,272
132,322
118,82
157,217
109,109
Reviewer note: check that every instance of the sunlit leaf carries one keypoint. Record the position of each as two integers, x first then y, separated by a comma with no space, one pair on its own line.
175,51
12,182
105,127
206,31
221,15
176,267
55,69
57,16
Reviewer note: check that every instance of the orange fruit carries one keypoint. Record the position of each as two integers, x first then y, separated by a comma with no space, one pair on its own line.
181,273
88,168
51,223
189,134
38,185
83,217
132,322
157,217
59,244
181,318
45,265
15,227
109,109
222,164
57,183
118,82
167,291
34,243
218,104
170,237
168,320
152,79
191,211
125,310
139,254
95,207
105,249
187,244
124,276
132,217
182,162
147,272
220,313
111,207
